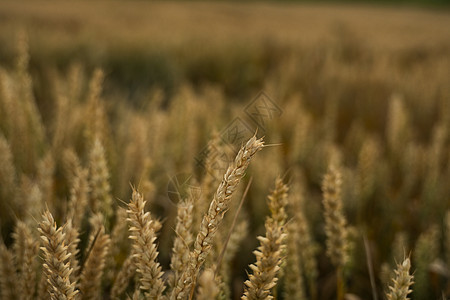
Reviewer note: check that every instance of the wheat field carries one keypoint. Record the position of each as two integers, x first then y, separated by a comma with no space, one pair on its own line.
200,150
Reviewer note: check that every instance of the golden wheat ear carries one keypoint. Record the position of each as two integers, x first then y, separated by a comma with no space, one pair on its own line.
57,266
91,276
301,231
219,205
269,253
99,176
208,288
335,222
8,278
294,285
402,282
25,249
142,232
78,200
425,252
183,240
127,271
336,230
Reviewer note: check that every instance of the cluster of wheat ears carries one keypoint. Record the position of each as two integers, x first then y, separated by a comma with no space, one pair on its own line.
64,277
72,228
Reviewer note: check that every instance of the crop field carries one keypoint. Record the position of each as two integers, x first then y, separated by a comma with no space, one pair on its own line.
224,150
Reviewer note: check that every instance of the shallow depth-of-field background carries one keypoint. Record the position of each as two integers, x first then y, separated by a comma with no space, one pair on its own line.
117,93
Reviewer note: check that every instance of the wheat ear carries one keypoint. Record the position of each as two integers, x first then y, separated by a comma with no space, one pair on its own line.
306,245
210,179
402,282
335,225
73,239
123,278
183,240
142,232
294,284
211,220
426,251
208,288
335,222
101,200
8,278
56,259
91,276
269,253
128,268
7,171
78,200
236,238
26,250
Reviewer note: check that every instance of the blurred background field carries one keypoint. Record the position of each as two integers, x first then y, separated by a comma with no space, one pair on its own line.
364,84
236,46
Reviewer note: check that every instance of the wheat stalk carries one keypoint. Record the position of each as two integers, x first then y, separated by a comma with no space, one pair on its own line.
237,236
